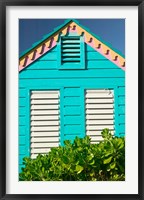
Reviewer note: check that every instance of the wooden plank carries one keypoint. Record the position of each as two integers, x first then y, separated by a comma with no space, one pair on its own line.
72,101
68,46
45,92
45,107
44,123
72,110
105,91
44,139
39,65
72,119
70,50
45,101
93,122
44,117
99,106
99,116
22,101
45,134
72,129
22,92
121,90
96,138
99,111
70,54
70,41
42,145
22,140
72,91
43,150
44,112
100,100
100,64
98,95
97,132
45,128
91,73
68,59
99,127
44,96
121,100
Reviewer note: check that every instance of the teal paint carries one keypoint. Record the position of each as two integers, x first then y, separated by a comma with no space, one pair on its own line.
61,116
116,113
44,74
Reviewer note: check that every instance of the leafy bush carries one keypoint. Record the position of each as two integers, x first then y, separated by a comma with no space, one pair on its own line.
79,161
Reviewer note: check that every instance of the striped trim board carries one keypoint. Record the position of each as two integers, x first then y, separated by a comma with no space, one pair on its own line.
45,117
45,121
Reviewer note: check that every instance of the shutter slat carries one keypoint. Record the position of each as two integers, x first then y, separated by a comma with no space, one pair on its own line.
44,117
97,132
96,138
44,101
99,95
99,127
99,111
99,100
45,128
105,91
43,150
44,112
44,139
42,144
93,106
100,122
44,123
44,96
44,107
89,116
45,134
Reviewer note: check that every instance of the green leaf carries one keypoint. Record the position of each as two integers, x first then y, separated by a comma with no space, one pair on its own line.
79,169
43,169
112,165
65,159
90,157
108,160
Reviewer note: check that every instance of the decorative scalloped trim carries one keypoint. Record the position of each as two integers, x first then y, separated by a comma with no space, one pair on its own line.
48,44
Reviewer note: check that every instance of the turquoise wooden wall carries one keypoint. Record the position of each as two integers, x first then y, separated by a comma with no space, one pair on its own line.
44,74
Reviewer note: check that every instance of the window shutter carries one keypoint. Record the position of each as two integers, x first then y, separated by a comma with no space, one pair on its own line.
99,113
45,121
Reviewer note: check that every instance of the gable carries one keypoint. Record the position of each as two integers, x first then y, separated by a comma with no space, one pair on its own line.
71,27
93,61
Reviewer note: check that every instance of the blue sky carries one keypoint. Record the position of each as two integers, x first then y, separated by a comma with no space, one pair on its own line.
112,31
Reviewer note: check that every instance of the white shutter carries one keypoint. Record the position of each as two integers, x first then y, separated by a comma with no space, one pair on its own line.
45,121
99,105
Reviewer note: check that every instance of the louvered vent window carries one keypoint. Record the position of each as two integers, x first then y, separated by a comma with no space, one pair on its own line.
99,113
70,49
45,121
72,52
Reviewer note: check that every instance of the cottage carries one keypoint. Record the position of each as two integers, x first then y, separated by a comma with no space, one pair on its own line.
70,84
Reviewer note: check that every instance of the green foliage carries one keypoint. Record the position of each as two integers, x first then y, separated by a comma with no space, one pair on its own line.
79,161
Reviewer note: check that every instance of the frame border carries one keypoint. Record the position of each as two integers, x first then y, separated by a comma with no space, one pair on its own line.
3,5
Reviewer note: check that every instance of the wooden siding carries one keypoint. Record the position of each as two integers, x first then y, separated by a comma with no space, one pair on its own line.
44,74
